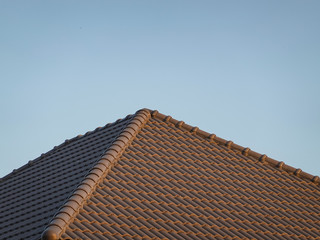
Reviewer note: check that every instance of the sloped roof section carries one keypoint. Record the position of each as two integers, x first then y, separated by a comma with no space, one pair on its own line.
150,176
71,207
31,195
164,179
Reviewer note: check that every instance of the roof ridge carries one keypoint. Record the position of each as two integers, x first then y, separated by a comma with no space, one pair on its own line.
244,150
69,209
67,141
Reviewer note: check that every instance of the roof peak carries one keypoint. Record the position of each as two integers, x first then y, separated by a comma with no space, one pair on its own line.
84,190
162,159
180,124
66,213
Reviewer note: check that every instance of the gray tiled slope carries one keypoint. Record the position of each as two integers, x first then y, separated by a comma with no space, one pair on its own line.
173,184
31,196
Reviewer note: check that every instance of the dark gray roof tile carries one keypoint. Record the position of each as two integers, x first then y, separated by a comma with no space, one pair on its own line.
34,193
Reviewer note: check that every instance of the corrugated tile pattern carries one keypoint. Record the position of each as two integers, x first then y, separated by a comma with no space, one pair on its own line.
32,195
173,184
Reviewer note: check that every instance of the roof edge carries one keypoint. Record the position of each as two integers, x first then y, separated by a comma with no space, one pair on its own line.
70,208
244,150
57,147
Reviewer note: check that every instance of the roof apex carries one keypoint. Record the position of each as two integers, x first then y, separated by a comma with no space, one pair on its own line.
68,211
84,190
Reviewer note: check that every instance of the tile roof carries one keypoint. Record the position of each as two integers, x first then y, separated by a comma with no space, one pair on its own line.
158,178
31,195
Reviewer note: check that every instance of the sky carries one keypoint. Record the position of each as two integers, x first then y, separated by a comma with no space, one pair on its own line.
248,71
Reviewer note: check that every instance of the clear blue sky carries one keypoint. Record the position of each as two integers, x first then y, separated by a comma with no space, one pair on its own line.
248,71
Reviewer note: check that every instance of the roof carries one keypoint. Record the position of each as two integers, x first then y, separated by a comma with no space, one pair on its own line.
150,176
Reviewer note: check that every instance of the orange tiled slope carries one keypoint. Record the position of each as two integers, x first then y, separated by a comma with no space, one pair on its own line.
163,179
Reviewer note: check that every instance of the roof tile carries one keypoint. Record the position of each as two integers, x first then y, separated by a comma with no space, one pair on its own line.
150,176
32,194
173,183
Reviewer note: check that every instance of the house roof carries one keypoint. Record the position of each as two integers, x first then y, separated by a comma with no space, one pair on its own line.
150,176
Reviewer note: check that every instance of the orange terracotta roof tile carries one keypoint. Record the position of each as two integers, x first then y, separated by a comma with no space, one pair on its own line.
150,176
